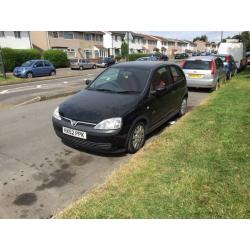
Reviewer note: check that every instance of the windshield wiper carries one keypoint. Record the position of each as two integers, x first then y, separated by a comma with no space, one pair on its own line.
105,90
128,92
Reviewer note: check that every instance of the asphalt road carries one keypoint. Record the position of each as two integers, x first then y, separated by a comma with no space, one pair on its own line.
19,93
39,175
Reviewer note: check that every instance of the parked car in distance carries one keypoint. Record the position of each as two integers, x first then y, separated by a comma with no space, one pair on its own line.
81,64
105,62
121,106
181,56
163,58
204,72
229,64
147,58
33,68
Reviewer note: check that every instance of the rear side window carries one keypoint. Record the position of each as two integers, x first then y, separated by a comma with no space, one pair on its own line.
161,78
176,73
197,64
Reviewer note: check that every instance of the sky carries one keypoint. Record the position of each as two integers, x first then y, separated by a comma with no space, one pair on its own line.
213,36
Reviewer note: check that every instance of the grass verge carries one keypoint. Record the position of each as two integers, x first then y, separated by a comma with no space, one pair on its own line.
10,80
198,168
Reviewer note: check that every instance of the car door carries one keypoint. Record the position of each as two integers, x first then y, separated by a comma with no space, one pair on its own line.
222,70
88,64
38,68
160,95
47,68
178,87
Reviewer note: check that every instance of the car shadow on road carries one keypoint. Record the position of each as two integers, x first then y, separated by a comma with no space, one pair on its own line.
200,90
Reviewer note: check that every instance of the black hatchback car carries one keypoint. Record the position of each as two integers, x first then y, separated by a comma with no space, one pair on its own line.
121,106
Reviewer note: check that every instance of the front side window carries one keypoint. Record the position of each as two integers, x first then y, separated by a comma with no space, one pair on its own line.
121,80
17,34
160,79
47,64
39,64
176,73
27,64
68,35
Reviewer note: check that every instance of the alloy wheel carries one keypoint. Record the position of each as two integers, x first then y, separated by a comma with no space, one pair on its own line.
138,136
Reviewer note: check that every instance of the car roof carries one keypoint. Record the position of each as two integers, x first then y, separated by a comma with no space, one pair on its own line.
202,58
143,64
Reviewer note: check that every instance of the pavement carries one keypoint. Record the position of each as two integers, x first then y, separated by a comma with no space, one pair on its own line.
39,175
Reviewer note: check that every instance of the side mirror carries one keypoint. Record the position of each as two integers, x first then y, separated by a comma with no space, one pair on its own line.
87,82
34,66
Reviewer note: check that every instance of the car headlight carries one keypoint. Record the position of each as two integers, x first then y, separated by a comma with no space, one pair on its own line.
56,114
112,123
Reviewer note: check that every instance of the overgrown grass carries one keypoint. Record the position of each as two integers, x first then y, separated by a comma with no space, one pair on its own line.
10,80
198,168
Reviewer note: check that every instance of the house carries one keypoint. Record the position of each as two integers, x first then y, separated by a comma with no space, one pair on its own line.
191,46
15,39
80,44
149,44
162,44
113,41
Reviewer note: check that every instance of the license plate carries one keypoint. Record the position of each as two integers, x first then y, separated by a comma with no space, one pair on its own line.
195,76
75,133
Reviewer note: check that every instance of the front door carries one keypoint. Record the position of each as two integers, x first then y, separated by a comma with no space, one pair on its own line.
38,69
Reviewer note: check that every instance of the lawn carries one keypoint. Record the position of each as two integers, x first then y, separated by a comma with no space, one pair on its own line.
197,168
10,80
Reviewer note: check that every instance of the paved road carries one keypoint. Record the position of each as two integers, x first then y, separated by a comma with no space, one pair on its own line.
38,174
19,93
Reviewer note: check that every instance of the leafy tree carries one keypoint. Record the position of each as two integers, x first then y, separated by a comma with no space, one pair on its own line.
245,36
124,50
201,38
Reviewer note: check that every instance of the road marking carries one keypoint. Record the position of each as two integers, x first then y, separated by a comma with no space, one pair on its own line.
39,86
35,99
90,74
65,82
4,92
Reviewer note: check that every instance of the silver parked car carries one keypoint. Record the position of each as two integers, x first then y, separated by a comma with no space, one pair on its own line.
204,72
81,64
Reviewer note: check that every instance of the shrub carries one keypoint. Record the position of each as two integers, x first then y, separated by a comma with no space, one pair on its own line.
16,57
133,57
57,57
118,58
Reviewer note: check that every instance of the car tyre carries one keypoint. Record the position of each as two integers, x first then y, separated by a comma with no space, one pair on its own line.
29,75
94,66
136,138
217,86
81,68
52,73
183,107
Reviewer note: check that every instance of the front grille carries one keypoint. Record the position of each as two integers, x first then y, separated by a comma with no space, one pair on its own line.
88,124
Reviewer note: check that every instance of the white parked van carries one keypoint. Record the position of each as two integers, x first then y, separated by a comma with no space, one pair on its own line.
236,49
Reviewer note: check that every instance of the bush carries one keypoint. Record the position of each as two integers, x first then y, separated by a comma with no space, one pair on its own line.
16,57
133,57
118,58
57,57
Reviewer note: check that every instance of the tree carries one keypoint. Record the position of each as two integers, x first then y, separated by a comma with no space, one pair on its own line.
245,36
201,38
124,50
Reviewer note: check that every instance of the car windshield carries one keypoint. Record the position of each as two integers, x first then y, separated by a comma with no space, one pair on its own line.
197,64
74,60
121,80
27,64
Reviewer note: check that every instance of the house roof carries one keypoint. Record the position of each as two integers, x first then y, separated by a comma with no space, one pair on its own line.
94,32
161,38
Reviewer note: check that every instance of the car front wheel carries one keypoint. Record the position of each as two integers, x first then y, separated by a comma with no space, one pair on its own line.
29,75
52,73
136,138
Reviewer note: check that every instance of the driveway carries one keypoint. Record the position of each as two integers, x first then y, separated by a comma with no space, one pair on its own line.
39,175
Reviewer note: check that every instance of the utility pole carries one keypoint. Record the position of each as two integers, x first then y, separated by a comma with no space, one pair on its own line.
2,64
221,36
128,44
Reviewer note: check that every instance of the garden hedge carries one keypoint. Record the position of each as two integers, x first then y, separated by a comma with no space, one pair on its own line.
57,57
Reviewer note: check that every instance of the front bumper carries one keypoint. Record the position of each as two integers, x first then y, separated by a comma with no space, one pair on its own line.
19,74
99,141
101,65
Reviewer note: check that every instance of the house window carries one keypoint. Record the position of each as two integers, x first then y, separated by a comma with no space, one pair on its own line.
68,35
96,53
88,54
55,34
17,34
87,37
71,53
2,34
116,38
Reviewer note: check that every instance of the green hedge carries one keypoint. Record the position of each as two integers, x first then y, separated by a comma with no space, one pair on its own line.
57,57
133,57
16,57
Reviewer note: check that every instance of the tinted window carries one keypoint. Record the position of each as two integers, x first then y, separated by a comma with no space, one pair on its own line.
39,64
121,80
197,64
176,73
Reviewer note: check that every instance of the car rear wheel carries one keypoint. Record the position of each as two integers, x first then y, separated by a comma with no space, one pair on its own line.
94,66
217,86
52,73
136,138
183,107
81,68
29,75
